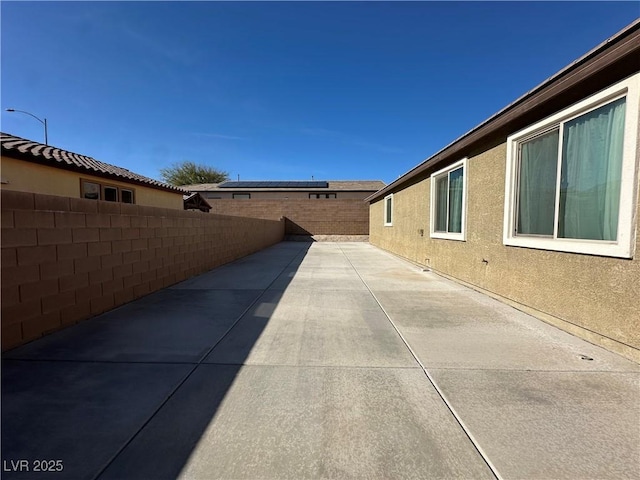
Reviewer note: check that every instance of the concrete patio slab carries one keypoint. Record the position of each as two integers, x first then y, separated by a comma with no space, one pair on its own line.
551,425
285,334
257,271
360,300
250,277
471,330
296,423
79,413
506,347
304,271
335,280
404,279
168,326
305,361
439,305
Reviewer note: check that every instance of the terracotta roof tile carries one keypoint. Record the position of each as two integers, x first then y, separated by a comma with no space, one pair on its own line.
56,157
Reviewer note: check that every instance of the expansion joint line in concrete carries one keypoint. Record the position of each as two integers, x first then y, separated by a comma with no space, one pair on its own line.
195,366
440,393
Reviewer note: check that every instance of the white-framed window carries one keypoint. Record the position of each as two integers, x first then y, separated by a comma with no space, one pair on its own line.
571,178
449,202
90,190
109,193
388,210
242,196
126,195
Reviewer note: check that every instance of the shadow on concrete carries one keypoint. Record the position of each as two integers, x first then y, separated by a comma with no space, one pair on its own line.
292,229
127,394
296,233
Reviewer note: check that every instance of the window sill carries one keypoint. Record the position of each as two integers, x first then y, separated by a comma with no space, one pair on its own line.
460,237
567,245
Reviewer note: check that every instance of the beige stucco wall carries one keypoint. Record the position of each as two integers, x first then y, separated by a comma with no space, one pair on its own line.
590,296
30,177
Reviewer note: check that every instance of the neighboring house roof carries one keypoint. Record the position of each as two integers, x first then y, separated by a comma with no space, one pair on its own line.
274,184
278,186
28,150
612,60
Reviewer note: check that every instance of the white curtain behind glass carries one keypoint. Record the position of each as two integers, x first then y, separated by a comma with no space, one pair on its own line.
591,172
442,189
455,200
537,185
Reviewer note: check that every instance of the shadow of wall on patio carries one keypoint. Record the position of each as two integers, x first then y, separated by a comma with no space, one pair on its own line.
53,388
164,446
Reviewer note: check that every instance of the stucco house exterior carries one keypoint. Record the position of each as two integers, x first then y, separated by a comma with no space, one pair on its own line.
538,205
29,166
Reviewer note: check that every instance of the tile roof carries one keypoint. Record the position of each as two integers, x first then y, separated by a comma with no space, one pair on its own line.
340,185
23,149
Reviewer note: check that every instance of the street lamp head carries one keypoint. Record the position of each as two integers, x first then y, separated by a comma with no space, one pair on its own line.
43,122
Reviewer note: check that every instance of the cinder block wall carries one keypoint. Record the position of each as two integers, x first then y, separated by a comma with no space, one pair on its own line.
304,216
67,259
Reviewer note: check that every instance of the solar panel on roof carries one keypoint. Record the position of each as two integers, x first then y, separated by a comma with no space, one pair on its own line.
275,184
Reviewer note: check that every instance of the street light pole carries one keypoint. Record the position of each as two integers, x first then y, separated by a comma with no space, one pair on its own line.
43,122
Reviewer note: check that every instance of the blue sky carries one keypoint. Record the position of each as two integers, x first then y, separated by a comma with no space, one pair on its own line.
281,91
